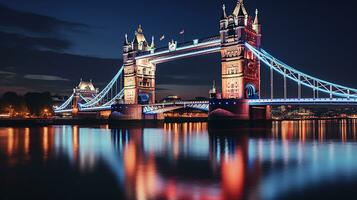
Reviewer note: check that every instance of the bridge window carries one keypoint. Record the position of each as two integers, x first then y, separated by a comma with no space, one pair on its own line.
231,71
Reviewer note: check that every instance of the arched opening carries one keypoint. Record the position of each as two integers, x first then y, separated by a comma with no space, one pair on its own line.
143,98
250,92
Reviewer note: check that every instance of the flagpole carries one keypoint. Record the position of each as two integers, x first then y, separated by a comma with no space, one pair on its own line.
183,35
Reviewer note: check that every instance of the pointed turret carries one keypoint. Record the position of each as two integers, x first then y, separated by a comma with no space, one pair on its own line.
256,25
256,20
139,40
126,41
126,45
240,9
224,18
139,35
152,46
224,13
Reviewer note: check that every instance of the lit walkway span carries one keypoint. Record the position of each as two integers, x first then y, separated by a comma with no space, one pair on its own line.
304,101
171,106
183,50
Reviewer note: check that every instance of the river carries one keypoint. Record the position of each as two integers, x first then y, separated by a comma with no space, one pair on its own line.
291,160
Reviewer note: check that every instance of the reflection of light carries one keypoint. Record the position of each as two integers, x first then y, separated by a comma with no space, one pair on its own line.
302,131
275,129
27,141
321,130
218,151
45,141
192,143
176,145
343,130
354,122
260,151
75,142
272,151
146,180
233,176
10,141
287,128
130,159
324,162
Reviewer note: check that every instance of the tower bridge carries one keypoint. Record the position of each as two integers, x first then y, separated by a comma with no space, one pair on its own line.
239,44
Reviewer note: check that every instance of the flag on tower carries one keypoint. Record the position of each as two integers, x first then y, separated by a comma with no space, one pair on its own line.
162,37
182,32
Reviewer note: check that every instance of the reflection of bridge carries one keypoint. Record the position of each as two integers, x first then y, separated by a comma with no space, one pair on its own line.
241,56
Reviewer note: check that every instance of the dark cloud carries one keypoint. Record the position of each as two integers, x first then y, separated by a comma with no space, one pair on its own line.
55,72
44,77
6,73
15,40
35,23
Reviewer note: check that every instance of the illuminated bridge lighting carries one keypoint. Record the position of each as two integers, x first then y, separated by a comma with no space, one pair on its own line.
346,96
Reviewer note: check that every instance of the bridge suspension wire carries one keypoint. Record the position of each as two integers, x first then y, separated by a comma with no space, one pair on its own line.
103,95
112,100
302,78
65,104
299,86
285,86
271,83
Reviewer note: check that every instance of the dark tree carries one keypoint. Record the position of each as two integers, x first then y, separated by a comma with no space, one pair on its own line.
37,102
11,99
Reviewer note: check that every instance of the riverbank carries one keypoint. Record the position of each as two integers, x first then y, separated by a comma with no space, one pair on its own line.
48,122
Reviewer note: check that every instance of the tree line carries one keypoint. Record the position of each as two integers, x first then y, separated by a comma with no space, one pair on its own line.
32,103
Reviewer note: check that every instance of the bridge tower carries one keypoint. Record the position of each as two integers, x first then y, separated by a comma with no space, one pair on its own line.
139,75
240,68
84,92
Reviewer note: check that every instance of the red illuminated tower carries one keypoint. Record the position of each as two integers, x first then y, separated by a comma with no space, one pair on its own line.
240,68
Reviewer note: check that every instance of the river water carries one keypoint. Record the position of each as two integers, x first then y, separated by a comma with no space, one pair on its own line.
291,160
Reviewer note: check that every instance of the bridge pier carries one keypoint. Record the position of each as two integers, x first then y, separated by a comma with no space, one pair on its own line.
237,109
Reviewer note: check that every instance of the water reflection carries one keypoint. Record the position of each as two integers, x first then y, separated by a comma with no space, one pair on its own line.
186,161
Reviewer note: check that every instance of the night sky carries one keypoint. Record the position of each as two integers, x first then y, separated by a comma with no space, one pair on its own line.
48,45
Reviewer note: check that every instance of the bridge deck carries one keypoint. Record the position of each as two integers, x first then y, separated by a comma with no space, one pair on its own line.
188,49
204,105
305,101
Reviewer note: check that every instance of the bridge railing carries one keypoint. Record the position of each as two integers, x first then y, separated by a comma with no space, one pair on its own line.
301,78
97,99
66,105
181,45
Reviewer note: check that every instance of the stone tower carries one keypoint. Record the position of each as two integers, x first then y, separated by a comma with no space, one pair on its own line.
139,75
240,70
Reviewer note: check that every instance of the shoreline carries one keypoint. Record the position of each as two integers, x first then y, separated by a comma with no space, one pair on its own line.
50,122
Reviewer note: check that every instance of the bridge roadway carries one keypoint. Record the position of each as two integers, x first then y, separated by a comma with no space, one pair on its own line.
204,105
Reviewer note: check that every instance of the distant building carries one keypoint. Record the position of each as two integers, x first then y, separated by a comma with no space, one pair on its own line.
171,98
86,90
213,91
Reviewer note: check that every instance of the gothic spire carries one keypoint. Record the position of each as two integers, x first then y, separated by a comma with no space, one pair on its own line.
240,9
140,29
256,20
256,25
224,14
126,41
152,42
